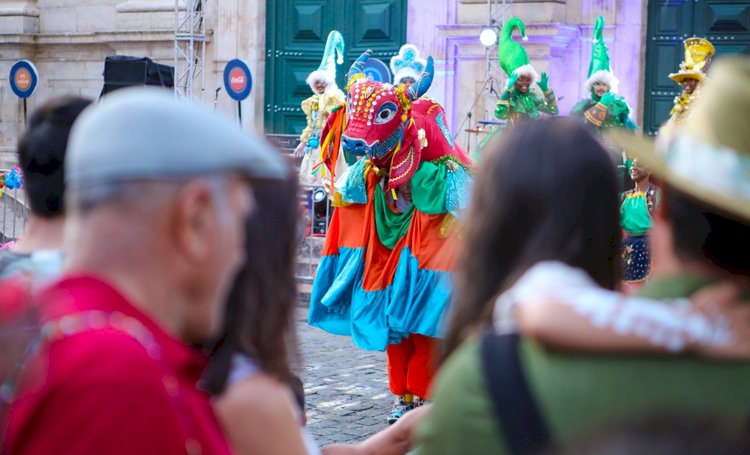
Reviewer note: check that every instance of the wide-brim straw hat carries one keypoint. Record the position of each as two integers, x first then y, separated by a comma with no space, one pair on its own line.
708,156
687,74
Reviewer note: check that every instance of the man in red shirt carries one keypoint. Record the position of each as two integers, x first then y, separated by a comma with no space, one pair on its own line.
157,197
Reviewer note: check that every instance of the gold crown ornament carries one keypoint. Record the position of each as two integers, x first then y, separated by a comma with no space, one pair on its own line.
698,55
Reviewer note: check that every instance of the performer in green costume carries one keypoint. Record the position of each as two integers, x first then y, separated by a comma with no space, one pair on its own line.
604,108
520,100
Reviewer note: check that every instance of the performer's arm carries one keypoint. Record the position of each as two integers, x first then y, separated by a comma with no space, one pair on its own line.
579,109
565,309
619,113
502,110
630,124
337,98
598,114
307,109
549,104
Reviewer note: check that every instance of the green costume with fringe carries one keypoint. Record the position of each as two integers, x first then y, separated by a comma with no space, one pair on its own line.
610,110
513,105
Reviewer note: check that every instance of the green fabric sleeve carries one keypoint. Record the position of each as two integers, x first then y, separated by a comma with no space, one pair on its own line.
502,110
580,107
428,186
548,104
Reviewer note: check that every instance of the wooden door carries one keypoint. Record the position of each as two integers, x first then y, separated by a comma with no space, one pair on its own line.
726,23
295,38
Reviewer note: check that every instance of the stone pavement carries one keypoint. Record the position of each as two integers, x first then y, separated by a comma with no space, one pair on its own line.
346,388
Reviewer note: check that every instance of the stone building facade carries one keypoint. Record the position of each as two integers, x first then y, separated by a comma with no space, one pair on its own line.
68,41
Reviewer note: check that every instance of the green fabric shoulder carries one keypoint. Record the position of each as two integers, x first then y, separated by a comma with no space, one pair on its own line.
579,392
582,106
461,420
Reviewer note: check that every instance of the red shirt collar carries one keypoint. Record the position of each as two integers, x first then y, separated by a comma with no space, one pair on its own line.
81,293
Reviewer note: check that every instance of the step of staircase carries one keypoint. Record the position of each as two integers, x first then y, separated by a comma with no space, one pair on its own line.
14,215
309,253
311,247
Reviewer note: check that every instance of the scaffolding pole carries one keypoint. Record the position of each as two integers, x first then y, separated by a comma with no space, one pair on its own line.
189,49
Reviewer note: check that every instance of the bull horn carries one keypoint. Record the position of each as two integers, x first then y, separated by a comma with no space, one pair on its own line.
425,81
358,66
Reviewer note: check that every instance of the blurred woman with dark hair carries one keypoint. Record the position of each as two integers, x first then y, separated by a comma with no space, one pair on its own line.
547,192
250,369
548,265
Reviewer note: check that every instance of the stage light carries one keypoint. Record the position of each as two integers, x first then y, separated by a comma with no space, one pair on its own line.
319,195
488,36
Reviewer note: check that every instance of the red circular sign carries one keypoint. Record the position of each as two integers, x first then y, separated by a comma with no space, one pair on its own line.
22,79
237,80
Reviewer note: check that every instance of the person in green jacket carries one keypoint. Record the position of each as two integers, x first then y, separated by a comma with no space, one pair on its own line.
603,109
701,229
526,95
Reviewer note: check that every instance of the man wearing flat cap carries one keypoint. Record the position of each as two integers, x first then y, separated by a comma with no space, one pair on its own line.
157,195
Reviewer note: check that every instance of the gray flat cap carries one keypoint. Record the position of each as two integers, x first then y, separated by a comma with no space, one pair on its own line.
145,133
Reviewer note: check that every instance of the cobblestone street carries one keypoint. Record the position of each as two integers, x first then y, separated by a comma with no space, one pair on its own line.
346,388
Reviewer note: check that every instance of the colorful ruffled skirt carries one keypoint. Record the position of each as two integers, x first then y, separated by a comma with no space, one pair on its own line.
383,274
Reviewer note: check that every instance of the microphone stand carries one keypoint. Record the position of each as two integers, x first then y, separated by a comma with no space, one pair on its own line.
468,114
492,87
216,96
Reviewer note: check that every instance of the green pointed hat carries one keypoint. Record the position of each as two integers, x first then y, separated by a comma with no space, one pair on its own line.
510,54
327,69
599,69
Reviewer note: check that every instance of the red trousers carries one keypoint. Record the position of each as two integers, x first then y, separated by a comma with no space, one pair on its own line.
410,365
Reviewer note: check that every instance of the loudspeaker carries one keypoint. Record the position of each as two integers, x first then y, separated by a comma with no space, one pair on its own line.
124,71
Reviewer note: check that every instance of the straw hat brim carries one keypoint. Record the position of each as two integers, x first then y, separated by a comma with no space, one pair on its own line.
681,76
645,150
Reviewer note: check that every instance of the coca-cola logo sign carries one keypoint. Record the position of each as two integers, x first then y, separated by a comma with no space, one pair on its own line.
238,80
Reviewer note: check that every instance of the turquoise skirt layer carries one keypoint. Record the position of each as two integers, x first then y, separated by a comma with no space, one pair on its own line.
419,297
413,303
336,279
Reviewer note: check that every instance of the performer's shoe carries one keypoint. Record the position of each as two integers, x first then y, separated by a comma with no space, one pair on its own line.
400,407
419,401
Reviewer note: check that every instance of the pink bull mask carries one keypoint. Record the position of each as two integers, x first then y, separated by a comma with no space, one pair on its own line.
379,122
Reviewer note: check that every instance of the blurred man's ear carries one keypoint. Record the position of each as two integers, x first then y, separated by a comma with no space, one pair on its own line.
195,220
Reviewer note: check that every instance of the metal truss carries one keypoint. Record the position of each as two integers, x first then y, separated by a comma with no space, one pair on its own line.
189,48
